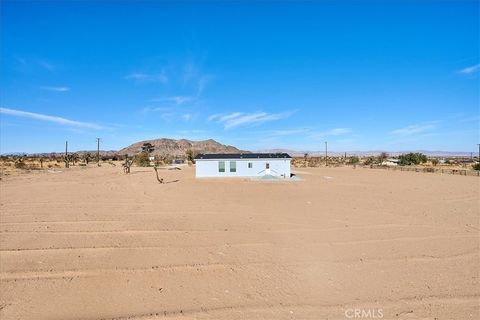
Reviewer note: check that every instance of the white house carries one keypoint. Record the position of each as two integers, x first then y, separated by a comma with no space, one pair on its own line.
243,165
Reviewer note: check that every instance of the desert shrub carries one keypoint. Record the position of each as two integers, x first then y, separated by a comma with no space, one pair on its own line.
369,161
411,158
476,166
116,157
353,160
142,159
20,164
435,161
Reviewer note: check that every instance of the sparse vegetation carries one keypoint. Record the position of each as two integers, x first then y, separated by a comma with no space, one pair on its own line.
353,160
382,157
142,159
190,156
127,164
476,166
412,158
369,161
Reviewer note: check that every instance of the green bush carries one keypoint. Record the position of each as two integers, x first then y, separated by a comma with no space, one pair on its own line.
476,166
411,158
142,159
353,160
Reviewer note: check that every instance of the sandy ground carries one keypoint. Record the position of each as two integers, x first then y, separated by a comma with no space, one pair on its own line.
94,243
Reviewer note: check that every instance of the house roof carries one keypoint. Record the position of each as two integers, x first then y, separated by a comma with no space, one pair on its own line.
214,156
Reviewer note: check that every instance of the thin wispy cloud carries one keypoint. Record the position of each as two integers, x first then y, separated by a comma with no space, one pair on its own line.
202,83
46,65
187,116
169,113
49,118
413,129
471,69
237,119
56,89
334,132
178,100
148,77
147,110
284,132
338,131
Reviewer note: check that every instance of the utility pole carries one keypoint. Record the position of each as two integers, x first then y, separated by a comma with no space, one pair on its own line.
478,144
66,154
98,152
326,155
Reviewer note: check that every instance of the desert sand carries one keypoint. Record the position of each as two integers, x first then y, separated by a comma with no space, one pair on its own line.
94,243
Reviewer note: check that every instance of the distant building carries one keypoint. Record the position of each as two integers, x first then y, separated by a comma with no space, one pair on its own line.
390,162
178,161
243,165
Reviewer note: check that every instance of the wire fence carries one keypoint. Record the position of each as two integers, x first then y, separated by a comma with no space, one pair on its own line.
460,172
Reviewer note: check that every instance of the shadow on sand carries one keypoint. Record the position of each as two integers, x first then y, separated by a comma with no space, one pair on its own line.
172,181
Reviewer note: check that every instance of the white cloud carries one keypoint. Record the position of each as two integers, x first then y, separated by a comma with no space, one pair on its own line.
54,119
57,89
471,69
236,119
148,77
413,129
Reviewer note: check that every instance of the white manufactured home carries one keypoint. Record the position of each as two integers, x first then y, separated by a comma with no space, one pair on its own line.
242,165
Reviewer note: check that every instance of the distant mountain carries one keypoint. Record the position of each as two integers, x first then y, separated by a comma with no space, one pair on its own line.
177,148
297,153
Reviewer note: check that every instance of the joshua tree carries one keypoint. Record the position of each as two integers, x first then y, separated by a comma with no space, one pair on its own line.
160,180
66,159
127,164
74,157
148,148
86,157
190,155
382,157
305,157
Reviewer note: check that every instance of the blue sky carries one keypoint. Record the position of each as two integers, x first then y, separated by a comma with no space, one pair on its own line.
362,75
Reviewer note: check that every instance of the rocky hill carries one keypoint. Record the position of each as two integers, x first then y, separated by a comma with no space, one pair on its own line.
177,148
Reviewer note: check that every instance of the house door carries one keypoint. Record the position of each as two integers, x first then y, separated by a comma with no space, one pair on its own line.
267,168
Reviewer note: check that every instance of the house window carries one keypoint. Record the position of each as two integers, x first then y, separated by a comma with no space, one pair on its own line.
233,166
221,166
267,166
250,165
